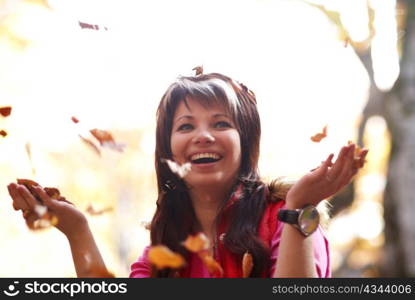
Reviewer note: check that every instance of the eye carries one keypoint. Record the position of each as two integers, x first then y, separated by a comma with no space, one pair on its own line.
222,124
185,127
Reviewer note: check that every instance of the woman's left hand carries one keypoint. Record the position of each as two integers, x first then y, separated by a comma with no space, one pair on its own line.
326,180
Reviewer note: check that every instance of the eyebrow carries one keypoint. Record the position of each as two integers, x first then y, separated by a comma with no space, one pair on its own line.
191,117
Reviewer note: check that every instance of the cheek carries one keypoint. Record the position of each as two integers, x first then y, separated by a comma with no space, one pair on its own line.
177,145
235,145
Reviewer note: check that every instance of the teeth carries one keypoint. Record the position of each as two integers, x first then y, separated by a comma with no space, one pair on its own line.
204,155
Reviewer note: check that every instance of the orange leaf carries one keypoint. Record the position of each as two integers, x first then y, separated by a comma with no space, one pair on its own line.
196,243
5,111
102,136
247,264
163,257
319,136
211,264
3,133
75,120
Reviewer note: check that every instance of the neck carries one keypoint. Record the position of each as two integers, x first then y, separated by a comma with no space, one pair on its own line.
206,203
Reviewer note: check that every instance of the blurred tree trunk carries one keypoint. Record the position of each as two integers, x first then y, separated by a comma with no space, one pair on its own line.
397,106
399,196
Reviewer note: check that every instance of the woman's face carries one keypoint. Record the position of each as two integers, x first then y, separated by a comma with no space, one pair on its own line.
208,139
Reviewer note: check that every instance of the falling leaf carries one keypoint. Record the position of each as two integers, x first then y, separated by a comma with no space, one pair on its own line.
198,70
96,212
211,264
75,119
145,224
91,145
163,257
3,133
102,135
180,170
196,243
5,111
247,264
319,136
106,140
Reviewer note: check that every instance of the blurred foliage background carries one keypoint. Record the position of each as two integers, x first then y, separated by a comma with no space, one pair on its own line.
347,64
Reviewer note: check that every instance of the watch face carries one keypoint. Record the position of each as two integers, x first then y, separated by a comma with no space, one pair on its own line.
309,220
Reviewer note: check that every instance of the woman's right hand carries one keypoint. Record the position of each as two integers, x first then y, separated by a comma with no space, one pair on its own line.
70,220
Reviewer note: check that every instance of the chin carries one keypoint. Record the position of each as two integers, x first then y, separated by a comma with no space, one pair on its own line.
209,180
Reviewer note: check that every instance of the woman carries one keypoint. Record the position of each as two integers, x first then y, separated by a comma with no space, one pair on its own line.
212,122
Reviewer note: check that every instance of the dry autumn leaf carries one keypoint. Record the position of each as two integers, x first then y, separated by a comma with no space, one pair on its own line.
96,212
247,265
319,136
5,111
75,119
211,264
198,70
180,170
163,257
91,145
3,133
106,139
196,243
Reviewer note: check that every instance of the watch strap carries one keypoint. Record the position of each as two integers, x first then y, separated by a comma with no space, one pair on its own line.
288,216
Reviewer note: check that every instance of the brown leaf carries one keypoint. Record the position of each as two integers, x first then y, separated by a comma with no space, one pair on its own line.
163,257
106,139
75,119
198,70
96,212
3,133
5,111
196,243
319,136
247,264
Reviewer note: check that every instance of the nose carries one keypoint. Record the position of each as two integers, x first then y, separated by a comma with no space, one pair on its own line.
203,136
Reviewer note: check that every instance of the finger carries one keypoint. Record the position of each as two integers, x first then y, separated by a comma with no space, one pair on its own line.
362,159
18,200
27,196
335,171
347,172
47,200
30,218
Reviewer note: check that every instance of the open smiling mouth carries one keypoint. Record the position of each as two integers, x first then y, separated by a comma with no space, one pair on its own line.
205,158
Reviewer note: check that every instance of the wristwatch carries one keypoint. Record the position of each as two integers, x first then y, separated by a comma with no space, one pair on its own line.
306,219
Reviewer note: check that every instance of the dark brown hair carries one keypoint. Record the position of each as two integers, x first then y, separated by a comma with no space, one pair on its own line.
174,218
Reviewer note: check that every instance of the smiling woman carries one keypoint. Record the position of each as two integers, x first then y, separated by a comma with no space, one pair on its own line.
218,219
